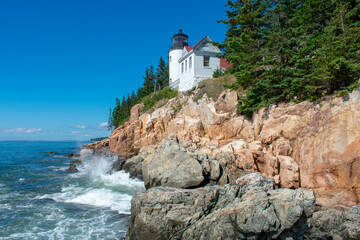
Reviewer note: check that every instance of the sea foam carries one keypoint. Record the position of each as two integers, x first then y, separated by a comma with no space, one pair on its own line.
100,189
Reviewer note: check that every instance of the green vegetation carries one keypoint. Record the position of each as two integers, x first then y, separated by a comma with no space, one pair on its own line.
292,50
218,73
155,87
165,94
213,87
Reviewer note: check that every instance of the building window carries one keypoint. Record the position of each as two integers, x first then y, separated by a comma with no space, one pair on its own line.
170,59
206,61
182,68
185,65
190,62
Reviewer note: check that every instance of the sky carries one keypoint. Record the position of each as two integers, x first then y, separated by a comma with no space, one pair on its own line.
64,62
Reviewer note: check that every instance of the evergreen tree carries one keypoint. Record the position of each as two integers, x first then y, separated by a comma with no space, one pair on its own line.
245,39
162,74
140,93
116,113
149,81
292,50
110,121
133,99
281,48
339,61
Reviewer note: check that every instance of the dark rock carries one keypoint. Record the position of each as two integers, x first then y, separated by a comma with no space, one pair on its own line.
72,155
76,161
118,164
72,168
335,224
250,209
134,167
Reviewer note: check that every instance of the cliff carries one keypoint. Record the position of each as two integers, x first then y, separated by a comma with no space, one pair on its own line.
307,145
201,163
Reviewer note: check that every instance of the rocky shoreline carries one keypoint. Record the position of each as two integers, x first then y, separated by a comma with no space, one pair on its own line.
201,166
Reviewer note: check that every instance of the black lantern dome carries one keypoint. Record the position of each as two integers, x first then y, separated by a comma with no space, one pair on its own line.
179,41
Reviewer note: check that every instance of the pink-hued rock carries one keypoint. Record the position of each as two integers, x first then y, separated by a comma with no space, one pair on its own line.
289,172
227,102
246,161
186,128
236,147
283,147
255,146
299,145
98,146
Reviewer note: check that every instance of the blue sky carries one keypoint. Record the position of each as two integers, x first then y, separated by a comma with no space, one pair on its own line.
64,62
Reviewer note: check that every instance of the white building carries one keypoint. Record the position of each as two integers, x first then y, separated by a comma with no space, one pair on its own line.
190,65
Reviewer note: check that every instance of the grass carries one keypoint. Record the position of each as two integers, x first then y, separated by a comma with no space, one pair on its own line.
158,99
213,87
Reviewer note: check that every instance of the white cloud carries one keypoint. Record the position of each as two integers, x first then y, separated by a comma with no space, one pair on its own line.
75,132
80,126
22,130
103,125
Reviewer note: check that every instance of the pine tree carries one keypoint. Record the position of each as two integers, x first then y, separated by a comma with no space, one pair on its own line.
292,50
281,51
140,93
245,38
110,121
162,74
149,81
340,61
116,113
133,99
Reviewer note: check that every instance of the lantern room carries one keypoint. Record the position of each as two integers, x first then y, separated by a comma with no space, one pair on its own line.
179,40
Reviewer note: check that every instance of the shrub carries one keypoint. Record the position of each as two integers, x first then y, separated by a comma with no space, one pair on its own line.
150,100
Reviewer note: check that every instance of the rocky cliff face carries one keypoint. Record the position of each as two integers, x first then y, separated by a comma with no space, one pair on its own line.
315,146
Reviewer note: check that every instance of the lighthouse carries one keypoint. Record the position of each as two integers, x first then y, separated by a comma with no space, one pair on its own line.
179,41
189,65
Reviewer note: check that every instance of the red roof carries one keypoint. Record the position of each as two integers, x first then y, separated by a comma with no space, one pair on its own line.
188,48
224,63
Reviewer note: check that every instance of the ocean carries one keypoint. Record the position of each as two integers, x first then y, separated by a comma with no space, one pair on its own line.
39,199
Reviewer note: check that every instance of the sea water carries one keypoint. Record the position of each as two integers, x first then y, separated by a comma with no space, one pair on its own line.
39,199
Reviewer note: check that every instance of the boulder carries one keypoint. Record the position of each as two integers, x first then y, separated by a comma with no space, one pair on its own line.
134,167
118,164
72,155
171,165
250,209
72,168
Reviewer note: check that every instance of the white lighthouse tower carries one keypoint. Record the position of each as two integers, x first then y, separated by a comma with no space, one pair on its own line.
178,42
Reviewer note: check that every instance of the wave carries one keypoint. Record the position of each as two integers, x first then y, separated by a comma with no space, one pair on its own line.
94,185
